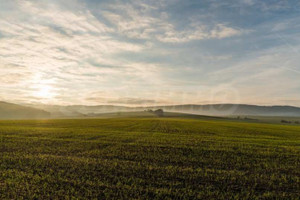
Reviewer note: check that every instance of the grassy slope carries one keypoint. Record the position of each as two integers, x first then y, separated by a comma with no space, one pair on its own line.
276,120
14,111
148,158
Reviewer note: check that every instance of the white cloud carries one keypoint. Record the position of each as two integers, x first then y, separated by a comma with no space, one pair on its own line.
220,31
134,22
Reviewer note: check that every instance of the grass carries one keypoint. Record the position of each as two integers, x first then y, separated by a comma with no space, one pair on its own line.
148,158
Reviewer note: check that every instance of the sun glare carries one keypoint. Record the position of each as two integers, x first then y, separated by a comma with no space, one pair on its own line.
45,92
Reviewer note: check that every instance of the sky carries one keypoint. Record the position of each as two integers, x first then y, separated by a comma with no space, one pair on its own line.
150,52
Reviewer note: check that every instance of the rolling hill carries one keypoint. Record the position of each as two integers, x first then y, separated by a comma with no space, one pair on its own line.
210,110
14,111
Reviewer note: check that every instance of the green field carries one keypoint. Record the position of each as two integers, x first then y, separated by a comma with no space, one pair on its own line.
148,158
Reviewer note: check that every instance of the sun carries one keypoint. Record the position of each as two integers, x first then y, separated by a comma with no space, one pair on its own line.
45,92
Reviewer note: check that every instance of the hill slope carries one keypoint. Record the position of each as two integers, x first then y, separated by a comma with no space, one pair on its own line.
14,111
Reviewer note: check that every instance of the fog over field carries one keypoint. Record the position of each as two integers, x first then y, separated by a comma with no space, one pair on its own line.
14,111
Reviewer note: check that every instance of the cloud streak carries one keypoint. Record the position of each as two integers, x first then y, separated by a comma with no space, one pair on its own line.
141,23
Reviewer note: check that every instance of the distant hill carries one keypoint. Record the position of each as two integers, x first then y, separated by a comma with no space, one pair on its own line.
14,111
210,110
80,110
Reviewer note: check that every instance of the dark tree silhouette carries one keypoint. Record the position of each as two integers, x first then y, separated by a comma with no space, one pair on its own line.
159,112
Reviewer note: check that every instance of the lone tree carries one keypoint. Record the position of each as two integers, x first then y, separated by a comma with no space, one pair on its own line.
159,112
